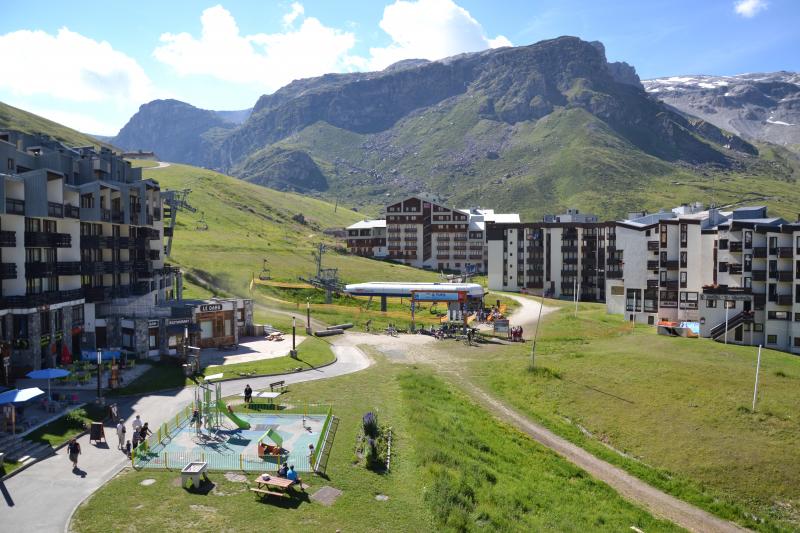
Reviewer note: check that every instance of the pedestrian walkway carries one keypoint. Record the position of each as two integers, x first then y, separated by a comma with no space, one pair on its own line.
43,497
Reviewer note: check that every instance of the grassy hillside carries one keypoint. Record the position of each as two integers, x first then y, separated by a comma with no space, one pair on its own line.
247,223
569,158
677,414
18,119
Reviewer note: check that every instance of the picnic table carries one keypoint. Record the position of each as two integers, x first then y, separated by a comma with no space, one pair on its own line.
267,395
193,471
271,485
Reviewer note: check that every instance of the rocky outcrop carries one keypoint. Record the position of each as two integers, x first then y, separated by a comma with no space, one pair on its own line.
284,170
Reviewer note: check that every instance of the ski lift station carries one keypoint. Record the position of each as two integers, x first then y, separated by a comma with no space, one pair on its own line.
461,298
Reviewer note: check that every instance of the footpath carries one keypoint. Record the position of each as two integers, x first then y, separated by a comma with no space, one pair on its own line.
43,497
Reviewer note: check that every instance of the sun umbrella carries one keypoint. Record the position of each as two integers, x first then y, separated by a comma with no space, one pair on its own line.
20,395
48,374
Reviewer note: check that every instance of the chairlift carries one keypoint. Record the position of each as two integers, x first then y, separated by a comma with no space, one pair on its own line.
264,275
201,224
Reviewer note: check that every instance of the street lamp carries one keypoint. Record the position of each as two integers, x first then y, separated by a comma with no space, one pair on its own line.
293,353
99,371
308,315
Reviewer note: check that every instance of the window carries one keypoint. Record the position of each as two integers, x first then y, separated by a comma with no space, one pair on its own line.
730,304
634,300
797,342
797,317
206,329
87,201
773,245
748,283
77,314
684,235
723,266
684,260
778,315
33,224
127,338
44,322
663,235
683,279
748,262
748,239
772,339
711,304
20,325
758,327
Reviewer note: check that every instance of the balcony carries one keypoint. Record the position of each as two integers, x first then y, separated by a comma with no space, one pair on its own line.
44,298
569,249
15,207
97,294
571,261
105,215
759,301
735,246
734,269
55,210
782,275
613,274
167,232
613,261
652,265
760,252
688,305
39,239
668,304
565,273
652,246
783,299
154,255
460,238
8,239
478,256
652,283
8,271
670,265
671,285
442,257
90,268
759,275
68,268
117,217
71,211
785,252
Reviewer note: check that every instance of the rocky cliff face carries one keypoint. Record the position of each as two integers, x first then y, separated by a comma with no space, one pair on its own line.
763,107
177,131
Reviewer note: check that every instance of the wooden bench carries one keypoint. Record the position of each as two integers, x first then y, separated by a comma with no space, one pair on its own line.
260,493
278,384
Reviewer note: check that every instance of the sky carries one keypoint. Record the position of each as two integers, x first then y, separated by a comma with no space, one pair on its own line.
90,65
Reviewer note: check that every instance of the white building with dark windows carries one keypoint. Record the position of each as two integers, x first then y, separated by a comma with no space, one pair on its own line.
690,264
422,232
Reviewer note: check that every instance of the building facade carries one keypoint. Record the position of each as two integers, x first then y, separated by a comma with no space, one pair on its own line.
424,233
79,229
690,264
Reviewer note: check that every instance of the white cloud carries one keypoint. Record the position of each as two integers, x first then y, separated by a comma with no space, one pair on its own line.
430,29
271,60
69,66
297,11
76,121
749,8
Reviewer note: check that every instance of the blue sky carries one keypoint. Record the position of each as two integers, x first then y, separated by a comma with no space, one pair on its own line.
90,65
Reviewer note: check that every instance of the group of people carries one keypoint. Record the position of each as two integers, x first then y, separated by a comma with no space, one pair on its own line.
287,471
515,334
140,433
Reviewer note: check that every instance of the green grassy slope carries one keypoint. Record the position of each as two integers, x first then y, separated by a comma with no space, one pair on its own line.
569,158
18,119
247,223
679,411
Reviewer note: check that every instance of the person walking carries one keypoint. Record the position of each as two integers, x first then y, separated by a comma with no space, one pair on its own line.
73,451
248,394
137,424
121,434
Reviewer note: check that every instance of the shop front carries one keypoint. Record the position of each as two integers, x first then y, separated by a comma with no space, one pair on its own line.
216,324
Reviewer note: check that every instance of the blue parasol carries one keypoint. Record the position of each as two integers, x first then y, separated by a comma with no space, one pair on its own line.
20,395
48,374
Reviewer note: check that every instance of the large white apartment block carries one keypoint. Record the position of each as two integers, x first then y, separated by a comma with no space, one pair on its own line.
422,232
690,264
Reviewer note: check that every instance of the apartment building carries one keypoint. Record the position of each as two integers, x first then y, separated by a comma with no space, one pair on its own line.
557,257
81,253
690,264
367,238
421,232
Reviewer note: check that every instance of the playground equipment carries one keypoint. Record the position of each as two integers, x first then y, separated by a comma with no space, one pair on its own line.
275,449
208,403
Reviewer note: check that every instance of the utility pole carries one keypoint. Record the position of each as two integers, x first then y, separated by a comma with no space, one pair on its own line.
308,315
726,321
293,353
99,374
758,366
536,332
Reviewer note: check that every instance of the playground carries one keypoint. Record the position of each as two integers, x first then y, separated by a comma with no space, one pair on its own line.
210,431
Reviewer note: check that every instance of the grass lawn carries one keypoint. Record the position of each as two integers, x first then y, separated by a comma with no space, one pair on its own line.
453,468
678,409
311,353
64,428
160,376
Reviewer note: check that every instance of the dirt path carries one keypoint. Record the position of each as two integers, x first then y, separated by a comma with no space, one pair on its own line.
631,488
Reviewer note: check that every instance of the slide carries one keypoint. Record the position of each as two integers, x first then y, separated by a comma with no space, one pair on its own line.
241,424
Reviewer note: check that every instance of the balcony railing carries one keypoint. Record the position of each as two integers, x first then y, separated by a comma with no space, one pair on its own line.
785,252
672,285
734,269
613,274
71,211
783,275
735,246
760,252
105,215
8,271
784,299
47,240
759,275
652,265
670,265
652,246
68,268
569,249
8,239
15,207
97,294
55,210
117,216
89,268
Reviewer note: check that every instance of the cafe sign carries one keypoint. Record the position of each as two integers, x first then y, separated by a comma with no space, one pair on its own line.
207,308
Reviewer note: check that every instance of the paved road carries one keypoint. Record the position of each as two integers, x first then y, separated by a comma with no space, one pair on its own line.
43,497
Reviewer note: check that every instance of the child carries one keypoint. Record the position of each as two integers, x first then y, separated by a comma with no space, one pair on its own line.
128,449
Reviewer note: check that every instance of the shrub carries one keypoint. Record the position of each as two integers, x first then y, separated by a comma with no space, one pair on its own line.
370,423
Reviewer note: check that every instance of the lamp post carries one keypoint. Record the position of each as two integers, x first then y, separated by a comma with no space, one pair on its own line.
99,372
308,315
293,353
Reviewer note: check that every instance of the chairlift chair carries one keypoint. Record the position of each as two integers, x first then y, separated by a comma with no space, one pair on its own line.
264,275
201,224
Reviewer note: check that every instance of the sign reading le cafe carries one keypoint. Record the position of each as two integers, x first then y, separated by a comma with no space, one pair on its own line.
207,308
